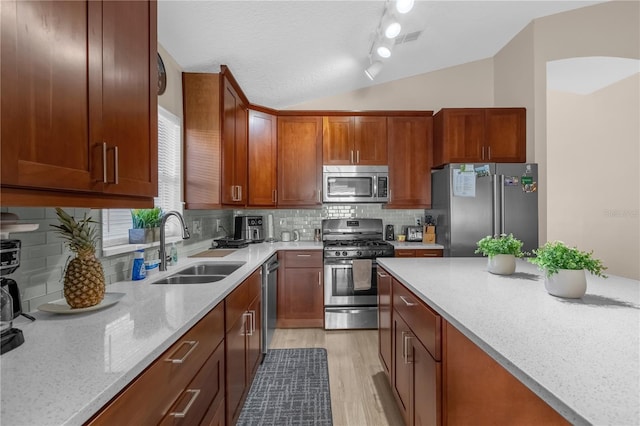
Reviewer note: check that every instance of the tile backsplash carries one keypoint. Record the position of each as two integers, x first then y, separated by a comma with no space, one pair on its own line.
44,255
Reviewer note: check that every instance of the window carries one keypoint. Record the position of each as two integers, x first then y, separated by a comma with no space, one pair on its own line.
117,222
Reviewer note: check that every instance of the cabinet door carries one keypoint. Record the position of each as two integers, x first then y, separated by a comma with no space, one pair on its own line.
262,162
236,367
234,146
505,135
129,104
429,253
410,151
401,376
460,135
337,141
384,319
254,349
299,161
370,142
300,298
426,402
404,253
47,131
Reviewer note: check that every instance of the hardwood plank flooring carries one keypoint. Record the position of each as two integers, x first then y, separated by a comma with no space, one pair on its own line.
360,392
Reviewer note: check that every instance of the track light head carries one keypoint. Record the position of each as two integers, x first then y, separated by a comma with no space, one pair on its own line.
373,70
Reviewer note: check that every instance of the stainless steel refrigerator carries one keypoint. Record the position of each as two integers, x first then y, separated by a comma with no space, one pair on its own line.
471,201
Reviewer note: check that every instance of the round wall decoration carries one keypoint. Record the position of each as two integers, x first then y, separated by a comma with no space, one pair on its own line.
162,76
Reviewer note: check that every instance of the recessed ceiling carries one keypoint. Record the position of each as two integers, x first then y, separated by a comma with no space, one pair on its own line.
287,52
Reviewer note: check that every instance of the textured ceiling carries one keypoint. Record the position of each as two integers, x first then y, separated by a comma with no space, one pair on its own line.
287,52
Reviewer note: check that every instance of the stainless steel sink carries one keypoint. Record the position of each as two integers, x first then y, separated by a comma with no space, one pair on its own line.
201,273
210,268
190,279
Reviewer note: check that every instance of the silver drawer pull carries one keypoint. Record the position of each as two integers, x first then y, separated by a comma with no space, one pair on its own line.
193,344
304,255
381,275
248,332
406,302
194,396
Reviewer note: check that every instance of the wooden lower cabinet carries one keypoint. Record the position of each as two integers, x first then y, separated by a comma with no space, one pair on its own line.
440,377
243,352
300,289
384,319
418,252
186,380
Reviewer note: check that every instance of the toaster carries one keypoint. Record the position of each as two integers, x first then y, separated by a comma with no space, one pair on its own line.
414,233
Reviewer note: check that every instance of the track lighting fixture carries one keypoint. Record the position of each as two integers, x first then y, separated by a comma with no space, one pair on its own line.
388,29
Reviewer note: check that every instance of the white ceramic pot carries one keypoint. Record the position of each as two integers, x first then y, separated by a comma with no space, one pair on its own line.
571,284
502,264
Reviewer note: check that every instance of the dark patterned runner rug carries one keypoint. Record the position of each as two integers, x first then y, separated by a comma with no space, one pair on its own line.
291,387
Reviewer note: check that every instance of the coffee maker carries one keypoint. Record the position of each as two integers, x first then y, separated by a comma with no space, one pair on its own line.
249,228
10,304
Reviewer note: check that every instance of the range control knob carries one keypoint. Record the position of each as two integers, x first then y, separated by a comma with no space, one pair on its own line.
337,253
359,253
344,253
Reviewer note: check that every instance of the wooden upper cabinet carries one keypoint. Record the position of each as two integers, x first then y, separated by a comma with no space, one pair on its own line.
86,126
262,161
202,150
410,160
359,140
479,134
234,141
299,161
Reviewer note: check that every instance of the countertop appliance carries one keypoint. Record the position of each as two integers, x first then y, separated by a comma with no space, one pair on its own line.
11,305
249,228
413,233
355,184
269,300
350,247
471,201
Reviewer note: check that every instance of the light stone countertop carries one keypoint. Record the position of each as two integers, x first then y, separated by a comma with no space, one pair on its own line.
581,356
71,365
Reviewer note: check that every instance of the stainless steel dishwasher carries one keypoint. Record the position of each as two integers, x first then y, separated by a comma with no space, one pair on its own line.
269,300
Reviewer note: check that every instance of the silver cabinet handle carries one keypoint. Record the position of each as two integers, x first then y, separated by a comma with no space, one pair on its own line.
194,395
358,157
405,347
192,343
351,156
304,255
381,275
248,332
116,160
406,302
253,321
239,192
319,278
319,196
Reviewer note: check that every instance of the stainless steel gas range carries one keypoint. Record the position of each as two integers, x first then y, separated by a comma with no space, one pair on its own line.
351,247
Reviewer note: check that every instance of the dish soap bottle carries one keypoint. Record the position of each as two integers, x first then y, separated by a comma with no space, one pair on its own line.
173,253
138,271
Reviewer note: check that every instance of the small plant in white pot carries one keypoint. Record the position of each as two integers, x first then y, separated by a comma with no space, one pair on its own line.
565,268
502,251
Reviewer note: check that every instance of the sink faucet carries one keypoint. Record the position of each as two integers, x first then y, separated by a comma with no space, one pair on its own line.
185,236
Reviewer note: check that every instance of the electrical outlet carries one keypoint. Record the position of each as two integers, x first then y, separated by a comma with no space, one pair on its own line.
196,228
217,225
418,221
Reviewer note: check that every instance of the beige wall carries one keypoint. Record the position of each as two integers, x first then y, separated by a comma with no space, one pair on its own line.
171,99
593,173
469,85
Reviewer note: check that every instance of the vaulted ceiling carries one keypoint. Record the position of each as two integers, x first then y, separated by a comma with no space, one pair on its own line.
287,52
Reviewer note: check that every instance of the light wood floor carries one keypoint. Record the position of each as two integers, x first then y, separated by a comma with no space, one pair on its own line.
360,392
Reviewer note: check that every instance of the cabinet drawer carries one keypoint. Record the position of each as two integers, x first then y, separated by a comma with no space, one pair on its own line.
303,259
405,253
428,253
205,390
424,322
161,384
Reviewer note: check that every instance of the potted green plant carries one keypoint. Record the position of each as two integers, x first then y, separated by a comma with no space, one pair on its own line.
565,268
502,251
146,225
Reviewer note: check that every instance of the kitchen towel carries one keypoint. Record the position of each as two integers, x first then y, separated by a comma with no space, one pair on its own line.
361,274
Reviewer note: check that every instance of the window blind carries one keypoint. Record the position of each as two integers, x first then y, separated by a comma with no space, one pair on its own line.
117,222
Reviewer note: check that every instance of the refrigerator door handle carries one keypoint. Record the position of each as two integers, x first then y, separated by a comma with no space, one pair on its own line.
496,219
502,204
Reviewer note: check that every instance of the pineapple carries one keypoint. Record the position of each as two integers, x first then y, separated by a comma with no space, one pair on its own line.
84,276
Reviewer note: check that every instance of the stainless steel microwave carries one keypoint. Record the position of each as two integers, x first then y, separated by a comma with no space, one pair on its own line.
355,184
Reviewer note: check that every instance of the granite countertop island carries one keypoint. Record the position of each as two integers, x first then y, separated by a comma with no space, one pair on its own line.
72,365
581,356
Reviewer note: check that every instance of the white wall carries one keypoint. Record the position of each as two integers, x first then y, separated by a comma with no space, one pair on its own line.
593,173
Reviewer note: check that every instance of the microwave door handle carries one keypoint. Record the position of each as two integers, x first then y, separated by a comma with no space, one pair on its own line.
375,187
